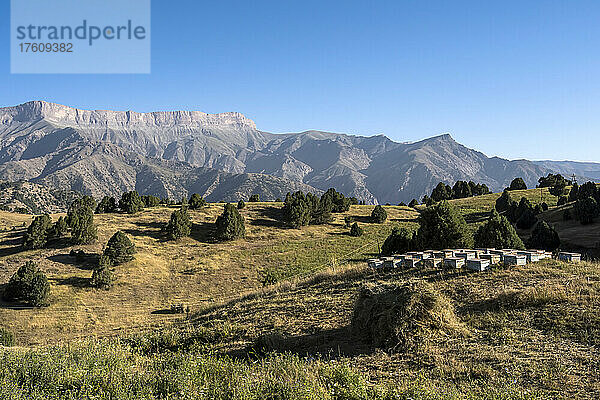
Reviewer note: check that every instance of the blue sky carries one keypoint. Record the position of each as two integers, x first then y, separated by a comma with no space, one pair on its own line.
512,78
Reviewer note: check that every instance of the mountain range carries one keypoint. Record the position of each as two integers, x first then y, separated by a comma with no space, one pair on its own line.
225,157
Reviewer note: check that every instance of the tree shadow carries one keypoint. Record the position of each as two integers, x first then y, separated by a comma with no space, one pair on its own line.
149,229
477,217
403,219
9,251
332,343
74,281
87,262
203,232
365,219
270,217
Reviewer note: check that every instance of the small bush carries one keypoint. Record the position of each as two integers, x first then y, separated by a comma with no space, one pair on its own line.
196,202
254,198
102,277
378,215
131,202
180,224
230,224
517,184
348,220
38,232
356,230
544,237
119,249
400,241
403,318
28,285
241,204
413,203
6,337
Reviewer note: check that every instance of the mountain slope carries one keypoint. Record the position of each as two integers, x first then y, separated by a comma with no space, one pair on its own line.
107,152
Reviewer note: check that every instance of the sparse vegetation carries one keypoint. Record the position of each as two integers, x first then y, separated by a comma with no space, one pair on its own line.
28,285
356,230
7,339
230,225
119,249
131,202
180,224
498,233
38,232
196,202
378,215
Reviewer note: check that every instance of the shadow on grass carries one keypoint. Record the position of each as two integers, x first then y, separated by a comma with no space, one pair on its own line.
270,217
150,229
87,262
328,343
203,232
74,281
477,217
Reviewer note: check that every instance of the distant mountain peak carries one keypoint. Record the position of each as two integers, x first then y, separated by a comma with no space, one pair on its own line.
69,116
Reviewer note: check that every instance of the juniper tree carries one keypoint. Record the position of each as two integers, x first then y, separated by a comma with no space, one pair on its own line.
119,249
378,215
254,198
80,218
503,202
60,228
586,210
297,210
400,240
102,277
150,201
339,203
28,285
241,204
107,205
131,202
413,203
544,237
442,226
356,230
441,192
517,184
196,202
497,232
38,232
180,224
230,224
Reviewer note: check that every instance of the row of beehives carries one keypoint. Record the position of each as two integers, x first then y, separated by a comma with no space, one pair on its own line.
477,260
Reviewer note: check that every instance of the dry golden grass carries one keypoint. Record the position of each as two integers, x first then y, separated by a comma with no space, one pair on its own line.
194,271
535,327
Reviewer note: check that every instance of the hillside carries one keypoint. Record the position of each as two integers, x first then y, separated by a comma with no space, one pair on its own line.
529,332
172,153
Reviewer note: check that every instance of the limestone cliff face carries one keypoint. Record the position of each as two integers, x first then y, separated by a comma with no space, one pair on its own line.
170,153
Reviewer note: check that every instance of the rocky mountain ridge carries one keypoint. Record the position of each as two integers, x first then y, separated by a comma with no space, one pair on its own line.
168,153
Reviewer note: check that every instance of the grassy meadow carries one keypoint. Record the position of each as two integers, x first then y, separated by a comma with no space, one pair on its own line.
530,332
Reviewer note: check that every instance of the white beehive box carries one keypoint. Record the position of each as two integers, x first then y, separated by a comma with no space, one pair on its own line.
478,264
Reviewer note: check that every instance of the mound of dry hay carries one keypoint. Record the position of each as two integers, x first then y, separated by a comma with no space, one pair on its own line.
404,317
